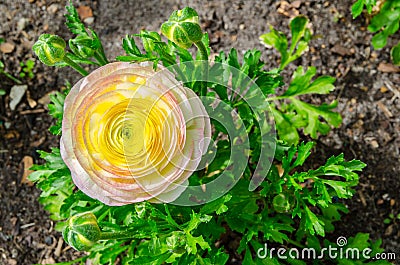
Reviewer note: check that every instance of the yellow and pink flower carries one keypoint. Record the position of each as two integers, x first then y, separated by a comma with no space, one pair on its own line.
131,134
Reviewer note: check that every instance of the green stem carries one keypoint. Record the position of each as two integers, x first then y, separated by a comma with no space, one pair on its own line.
118,235
102,54
100,58
74,65
11,77
202,49
204,56
134,233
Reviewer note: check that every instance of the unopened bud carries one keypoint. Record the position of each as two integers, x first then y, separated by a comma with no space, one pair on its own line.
82,231
50,49
183,28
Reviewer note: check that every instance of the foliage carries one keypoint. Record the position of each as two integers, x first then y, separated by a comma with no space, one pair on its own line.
386,21
294,114
27,68
357,7
291,207
86,44
301,35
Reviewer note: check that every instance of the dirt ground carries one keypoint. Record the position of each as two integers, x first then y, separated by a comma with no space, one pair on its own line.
368,91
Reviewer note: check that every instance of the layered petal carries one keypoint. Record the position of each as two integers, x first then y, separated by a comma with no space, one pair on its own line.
130,134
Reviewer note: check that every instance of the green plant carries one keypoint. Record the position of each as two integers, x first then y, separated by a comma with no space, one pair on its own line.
276,202
293,114
392,218
386,22
27,68
358,7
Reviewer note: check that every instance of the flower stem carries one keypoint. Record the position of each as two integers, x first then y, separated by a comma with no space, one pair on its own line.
204,56
118,235
100,58
74,65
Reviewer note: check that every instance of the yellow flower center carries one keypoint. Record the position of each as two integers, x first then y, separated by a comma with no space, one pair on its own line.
128,131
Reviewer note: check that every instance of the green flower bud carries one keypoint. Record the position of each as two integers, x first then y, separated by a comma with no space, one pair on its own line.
82,46
82,231
50,49
282,203
183,28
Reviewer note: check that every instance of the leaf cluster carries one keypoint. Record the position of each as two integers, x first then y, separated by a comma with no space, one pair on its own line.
385,23
86,46
292,113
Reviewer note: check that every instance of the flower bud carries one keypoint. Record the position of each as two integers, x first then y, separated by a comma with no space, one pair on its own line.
82,46
82,231
282,203
183,28
50,49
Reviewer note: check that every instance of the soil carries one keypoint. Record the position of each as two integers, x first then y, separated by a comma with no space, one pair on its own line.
367,88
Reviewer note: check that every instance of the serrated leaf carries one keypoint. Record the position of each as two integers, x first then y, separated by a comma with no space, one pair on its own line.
277,40
303,152
313,113
286,130
73,21
192,242
301,83
313,224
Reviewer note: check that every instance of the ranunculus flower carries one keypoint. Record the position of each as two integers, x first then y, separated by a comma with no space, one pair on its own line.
130,134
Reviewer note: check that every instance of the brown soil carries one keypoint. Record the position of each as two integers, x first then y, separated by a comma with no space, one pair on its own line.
369,100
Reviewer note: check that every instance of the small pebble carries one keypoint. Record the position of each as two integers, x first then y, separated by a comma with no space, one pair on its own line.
7,47
48,240
21,24
89,20
374,144
52,9
16,94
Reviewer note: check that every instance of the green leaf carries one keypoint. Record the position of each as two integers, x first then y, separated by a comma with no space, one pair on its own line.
192,242
313,114
248,260
313,224
303,152
386,21
218,206
286,130
151,260
298,27
74,23
395,54
301,83
277,40
56,110
300,39
357,8
379,40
